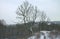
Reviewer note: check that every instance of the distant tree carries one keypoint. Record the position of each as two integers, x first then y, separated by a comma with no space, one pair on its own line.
48,19
2,28
43,16
2,25
2,22
35,14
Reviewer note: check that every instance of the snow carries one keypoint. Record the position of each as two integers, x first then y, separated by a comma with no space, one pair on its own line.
44,35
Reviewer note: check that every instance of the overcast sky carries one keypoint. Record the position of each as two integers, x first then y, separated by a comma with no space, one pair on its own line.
8,9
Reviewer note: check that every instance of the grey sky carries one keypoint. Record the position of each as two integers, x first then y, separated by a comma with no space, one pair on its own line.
8,9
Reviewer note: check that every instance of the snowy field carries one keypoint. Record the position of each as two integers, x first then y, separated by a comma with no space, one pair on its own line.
45,35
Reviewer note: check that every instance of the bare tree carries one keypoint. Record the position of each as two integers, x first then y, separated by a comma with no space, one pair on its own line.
35,14
27,13
24,11
48,19
2,22
43,16
2,28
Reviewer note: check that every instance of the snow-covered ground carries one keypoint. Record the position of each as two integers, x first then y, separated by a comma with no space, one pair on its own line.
44,35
